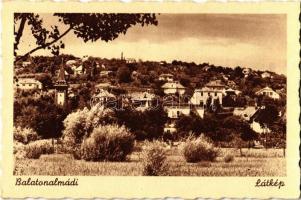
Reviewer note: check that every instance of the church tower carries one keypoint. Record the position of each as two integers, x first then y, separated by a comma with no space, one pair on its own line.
61,88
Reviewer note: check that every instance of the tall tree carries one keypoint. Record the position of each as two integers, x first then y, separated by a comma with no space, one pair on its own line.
86,26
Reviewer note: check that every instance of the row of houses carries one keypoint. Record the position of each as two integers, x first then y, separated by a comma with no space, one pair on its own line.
143,100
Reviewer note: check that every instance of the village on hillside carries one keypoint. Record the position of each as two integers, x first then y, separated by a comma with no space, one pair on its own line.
138,107
180,88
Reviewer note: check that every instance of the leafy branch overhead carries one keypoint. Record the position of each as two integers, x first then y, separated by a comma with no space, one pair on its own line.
87,26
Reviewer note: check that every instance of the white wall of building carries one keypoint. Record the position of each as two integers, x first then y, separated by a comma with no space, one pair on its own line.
257,128
28,84
61,96
200,96
174,111
269,93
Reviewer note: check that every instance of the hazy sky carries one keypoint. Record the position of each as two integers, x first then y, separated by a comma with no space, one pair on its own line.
255,41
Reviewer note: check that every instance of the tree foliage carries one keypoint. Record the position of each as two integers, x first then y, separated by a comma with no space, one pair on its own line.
41,114
144,125
87,26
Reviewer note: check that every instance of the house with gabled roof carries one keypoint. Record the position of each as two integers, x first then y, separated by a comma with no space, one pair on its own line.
269,92
166,77
176,108
104,98
245,113
142,101
170,127
27,84
214,90
173,88
266,75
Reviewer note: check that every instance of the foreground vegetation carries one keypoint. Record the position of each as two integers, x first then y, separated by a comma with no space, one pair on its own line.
253,162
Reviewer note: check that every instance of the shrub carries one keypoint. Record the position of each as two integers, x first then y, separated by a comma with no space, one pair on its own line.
154,159
18,150
35,149
40,114
107,142
24,135
75,128
80,124
144,125
228,158
199,149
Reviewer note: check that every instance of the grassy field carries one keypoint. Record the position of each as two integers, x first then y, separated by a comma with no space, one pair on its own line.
254,162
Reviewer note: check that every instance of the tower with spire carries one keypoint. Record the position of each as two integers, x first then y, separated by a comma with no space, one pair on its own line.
122,58
61,88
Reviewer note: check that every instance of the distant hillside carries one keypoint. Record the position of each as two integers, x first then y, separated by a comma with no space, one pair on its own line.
131,73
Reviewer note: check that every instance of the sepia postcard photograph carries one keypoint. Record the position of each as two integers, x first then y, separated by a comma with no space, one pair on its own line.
161,95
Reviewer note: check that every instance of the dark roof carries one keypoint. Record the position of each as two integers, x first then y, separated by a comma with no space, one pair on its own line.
61,74
61,79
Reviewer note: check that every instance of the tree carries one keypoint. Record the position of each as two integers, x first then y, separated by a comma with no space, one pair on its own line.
124,74
266,118
46,80
87,26
241,130
228,101
40,114
145,125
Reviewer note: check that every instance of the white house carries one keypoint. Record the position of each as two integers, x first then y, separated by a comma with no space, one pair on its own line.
245,113
173,87
105,73
27,84
170,128
266,75
174,111
71,62
104,98
258,129
166,77
213,89
142,100
230,91
269,92
78,70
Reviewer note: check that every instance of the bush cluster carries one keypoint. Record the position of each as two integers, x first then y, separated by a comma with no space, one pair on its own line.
198,149
154,159
35,149
39,112
24,135
107,143
80,124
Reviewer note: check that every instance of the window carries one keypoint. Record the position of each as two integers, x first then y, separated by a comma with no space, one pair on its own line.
215,93
29,84
201,93
201,103
23,84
